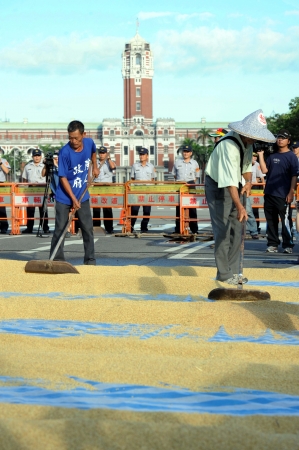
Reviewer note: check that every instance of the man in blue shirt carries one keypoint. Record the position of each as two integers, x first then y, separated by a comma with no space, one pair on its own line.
74,161
281,171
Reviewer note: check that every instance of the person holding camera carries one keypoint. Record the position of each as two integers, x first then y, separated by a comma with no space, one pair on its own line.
4,170
280,169
106,167
32,173
229,161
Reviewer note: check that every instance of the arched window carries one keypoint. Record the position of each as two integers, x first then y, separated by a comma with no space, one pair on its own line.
139,133
138,59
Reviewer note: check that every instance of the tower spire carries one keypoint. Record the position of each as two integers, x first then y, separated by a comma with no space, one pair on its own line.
137,25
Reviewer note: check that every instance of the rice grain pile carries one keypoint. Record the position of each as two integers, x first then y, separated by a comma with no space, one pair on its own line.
130,358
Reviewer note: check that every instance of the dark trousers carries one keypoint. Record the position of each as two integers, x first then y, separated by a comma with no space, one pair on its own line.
192,215
145,220
274,208
107,213
85,223
30,215
3,221
256,214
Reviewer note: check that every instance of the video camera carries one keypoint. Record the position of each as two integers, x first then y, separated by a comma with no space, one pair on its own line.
48,160
267,147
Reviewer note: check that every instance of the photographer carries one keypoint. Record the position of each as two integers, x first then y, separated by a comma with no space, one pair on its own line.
32,173
281,171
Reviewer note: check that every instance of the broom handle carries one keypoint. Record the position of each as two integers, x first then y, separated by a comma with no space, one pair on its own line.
71,216
243,233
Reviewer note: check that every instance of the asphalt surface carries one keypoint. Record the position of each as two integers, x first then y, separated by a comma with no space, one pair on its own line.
152,249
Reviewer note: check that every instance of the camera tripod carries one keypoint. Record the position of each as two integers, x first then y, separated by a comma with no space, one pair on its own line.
45,202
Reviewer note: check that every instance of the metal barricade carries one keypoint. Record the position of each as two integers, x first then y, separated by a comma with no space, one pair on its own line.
26,195
150,193
6,196
107,195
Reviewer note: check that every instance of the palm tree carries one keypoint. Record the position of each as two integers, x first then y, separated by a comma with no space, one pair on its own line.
203,135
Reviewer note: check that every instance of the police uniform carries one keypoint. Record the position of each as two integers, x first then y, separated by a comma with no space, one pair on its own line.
188,172
3,216
142,173
105,176
32,173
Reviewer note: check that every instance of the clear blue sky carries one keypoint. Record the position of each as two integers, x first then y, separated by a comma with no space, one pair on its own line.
219,59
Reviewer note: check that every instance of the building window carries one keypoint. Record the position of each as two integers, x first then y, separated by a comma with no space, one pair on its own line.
138,148
126,150
139,133
152,150
138,106
138,59
137,92
111,132
165,131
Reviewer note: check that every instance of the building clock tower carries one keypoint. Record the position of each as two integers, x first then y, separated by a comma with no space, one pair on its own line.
137,72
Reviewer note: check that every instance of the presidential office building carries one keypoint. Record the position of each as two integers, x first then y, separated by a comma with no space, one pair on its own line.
123,137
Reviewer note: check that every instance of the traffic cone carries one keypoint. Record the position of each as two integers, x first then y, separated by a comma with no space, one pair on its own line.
22,216
122,215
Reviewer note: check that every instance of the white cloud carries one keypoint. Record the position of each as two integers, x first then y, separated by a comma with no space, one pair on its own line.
63,54
292,13
202,50
236,15
248,50
200,16
153,14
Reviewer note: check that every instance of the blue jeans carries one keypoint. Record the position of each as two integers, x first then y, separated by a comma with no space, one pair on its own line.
85,223
251,223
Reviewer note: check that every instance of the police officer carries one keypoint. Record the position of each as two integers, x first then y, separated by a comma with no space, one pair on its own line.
4,170
32,173
187,170
107,168
142,170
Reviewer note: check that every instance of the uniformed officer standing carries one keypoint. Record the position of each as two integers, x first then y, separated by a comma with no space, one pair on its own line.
32,173
143,171
4,170
187,170
106,167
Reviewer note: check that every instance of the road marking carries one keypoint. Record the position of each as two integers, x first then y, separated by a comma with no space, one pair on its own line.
185,253
47,247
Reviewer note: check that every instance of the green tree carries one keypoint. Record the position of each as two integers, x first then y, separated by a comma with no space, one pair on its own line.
288,121
203,135
49,148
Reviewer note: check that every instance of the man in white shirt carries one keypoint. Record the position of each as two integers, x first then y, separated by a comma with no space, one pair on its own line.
32,173
4,170
142,170
186,169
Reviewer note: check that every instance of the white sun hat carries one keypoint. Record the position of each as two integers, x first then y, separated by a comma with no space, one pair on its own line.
253,126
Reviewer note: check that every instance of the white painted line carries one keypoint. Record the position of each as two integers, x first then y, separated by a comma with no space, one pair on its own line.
47,247
185,253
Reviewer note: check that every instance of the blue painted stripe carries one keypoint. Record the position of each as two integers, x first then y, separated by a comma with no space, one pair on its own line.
68,328
140,297
237,402
134,297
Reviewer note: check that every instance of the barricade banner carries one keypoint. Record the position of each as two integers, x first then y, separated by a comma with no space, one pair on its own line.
155,193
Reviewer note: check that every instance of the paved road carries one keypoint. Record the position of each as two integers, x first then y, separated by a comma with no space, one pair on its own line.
149,250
